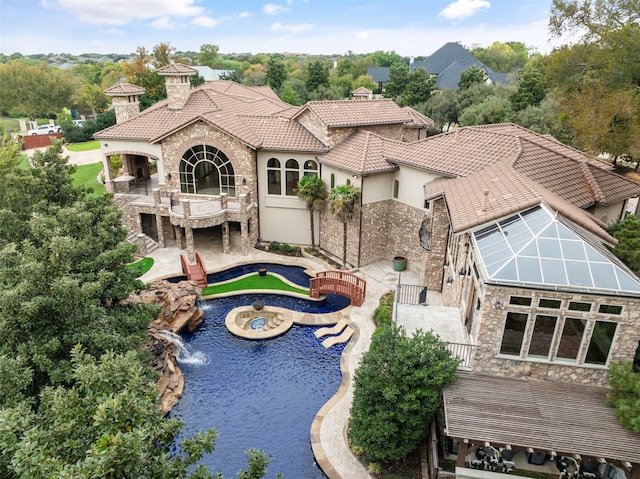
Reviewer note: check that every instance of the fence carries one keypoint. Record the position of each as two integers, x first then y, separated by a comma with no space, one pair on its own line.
463,352
411,294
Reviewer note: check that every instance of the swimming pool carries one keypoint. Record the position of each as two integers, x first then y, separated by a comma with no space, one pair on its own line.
295,274
260,394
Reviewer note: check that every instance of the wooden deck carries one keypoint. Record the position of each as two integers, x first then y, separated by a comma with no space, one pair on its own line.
543,415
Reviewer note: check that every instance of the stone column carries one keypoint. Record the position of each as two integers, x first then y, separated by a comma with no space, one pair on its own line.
106,169
159,220
180,242
188,231
142,244
226,249
244,230
223,201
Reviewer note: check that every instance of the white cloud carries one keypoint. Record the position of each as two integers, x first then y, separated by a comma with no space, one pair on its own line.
291,28
463,9
121,12
273,9
245,14
204,21
163,23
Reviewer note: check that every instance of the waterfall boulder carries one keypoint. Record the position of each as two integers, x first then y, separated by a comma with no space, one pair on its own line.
179,310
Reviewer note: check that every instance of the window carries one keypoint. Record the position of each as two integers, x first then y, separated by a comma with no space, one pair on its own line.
310,168
542,336
600,343
274,177
348,181
513,334
427,205
206,170
610,309
571,338
576,306
333,180
396,188
520,301
550,303
292,172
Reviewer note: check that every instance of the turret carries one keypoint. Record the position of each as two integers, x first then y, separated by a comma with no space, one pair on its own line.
126,102
177,83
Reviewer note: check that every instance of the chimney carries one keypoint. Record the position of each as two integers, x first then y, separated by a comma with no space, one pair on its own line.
125,100
177,83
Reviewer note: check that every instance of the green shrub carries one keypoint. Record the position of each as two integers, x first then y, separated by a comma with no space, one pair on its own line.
383,314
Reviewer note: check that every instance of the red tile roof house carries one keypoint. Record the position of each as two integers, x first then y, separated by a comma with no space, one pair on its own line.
510,227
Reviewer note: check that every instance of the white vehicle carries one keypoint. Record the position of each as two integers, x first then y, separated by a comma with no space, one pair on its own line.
44,130
79,123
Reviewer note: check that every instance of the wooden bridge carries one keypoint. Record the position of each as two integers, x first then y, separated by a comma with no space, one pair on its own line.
195,272
339,282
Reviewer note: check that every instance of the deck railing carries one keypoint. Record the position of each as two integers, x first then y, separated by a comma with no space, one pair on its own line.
464,352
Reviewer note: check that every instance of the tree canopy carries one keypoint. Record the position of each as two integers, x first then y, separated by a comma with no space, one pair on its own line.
397,389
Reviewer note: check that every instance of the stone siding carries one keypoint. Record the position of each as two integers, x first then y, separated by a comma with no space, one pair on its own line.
376,230
331,236
125,109
492,325
178,91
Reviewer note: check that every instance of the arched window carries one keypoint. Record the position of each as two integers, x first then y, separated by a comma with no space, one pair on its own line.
274,177
348,181
206,170
333,180
292,172
310,168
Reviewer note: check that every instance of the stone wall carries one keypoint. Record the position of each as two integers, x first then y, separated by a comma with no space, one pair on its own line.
178,90
487,357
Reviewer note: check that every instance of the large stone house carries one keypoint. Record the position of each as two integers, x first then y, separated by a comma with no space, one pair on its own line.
510,226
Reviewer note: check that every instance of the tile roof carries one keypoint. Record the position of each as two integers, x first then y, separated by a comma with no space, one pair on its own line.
418,119
344,113
124,89
176,69
379,74
361,91
220,103
363,154
280,133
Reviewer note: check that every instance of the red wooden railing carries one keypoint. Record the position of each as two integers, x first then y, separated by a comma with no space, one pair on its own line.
339,282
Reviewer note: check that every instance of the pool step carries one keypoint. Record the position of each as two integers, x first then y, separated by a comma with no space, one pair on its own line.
341,338
273,323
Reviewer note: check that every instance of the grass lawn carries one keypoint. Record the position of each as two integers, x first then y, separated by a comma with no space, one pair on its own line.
254,281
9,123
141,266
87,175
84,146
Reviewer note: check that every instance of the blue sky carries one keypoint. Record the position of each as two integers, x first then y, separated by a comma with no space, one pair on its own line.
410,27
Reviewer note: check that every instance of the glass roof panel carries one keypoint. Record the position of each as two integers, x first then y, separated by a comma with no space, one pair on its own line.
529,270
578,273
604,275
553,271
573,250
509,271
549,248
537,248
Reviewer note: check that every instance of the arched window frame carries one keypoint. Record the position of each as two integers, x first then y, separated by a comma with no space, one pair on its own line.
292,176
200,161
274,177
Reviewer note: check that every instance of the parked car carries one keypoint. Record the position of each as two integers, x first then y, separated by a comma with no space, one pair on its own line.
79,123
44,130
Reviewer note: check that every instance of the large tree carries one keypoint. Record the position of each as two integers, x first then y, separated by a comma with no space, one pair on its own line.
397,389
624,395
597,78
276,73
344,203
36,90
312,190
317,75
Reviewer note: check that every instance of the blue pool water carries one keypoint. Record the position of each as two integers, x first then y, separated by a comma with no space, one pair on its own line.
260,394
295,274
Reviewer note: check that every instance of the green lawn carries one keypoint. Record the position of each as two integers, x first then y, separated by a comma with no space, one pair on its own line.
9,123
141,266
84,146
254,281
87,175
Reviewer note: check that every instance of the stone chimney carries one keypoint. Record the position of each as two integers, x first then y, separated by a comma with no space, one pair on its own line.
177,83
125,100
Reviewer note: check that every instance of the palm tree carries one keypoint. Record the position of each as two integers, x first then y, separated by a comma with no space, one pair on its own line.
344,202
312,190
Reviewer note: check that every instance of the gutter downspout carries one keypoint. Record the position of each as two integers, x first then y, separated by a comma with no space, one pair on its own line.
360,223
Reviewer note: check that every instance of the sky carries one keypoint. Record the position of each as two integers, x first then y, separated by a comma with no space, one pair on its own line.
408,27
